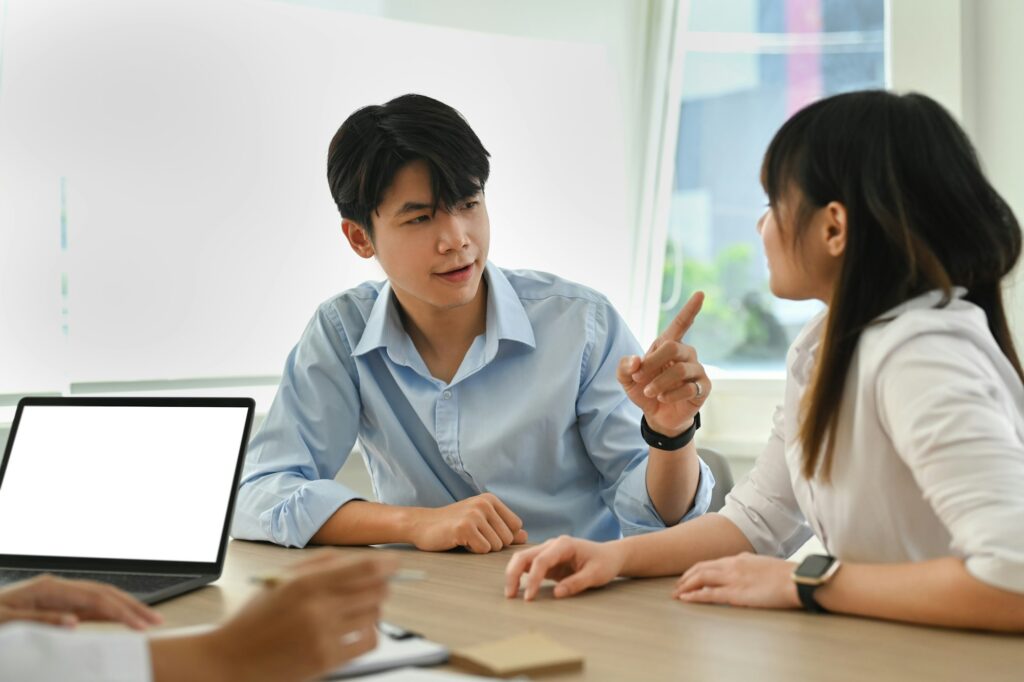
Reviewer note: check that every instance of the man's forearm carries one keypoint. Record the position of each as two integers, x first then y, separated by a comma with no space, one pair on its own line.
673,550
672,480
368,523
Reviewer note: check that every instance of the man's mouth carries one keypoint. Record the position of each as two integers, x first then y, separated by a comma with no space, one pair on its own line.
456,275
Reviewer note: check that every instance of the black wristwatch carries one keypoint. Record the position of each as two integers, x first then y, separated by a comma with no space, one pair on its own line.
663,442
813,572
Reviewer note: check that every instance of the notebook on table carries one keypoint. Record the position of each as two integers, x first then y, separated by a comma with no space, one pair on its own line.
396,647
135,492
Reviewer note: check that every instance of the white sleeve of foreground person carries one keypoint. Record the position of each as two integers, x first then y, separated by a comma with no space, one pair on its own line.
30,652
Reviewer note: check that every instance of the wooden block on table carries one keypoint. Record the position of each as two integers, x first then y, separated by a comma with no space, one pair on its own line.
528,654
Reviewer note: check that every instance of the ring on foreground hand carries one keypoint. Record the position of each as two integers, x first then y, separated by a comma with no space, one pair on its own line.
351,637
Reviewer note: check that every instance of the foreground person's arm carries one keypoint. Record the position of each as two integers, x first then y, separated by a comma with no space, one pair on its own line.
324,615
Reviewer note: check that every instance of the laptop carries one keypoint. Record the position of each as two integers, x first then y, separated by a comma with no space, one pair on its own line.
135,492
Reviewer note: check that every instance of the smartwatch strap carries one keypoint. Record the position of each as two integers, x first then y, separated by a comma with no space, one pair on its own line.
806,594
663,442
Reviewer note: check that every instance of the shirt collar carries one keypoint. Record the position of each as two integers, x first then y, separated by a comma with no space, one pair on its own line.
506,317
506,320
383,326
805,346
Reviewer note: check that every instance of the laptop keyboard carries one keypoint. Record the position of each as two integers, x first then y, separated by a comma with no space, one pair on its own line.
134,583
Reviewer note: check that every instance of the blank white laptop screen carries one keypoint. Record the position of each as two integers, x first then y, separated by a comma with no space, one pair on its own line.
120,482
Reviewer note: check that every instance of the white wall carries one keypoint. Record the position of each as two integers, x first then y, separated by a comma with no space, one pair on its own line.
926,50
995,55
552,133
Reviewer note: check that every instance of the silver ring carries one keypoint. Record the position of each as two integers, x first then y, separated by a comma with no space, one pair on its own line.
351,637
700,389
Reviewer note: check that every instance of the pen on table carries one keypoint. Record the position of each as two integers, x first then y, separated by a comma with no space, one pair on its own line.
402,575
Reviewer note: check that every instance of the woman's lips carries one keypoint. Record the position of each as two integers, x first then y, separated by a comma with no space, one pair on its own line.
456,276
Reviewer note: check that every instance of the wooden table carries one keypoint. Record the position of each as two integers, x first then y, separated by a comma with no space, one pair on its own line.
632,630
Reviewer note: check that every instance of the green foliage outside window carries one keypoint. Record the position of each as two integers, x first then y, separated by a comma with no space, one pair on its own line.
736,325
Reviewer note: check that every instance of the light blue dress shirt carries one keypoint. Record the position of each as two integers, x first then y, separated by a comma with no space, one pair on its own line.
534,415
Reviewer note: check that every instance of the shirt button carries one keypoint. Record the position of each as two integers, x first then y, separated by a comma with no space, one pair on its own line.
447,395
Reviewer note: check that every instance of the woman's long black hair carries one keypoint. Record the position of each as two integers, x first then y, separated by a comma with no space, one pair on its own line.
920,216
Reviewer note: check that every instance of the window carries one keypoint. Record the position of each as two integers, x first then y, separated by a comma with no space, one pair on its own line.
748,65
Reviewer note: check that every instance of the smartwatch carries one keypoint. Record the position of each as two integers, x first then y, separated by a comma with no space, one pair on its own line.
813,572
669,443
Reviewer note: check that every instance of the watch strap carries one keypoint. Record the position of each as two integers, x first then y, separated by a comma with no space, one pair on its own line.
806,594
669,443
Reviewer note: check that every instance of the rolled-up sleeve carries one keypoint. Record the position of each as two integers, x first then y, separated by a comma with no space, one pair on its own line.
288,489
38,653
635,509
764,507
610,427
951,420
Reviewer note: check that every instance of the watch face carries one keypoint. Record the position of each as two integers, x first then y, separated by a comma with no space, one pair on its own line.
814,566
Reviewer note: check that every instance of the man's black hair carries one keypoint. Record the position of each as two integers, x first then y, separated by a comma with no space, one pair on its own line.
378,140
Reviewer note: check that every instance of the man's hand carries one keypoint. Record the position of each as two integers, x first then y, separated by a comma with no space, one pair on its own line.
56,601
481,524
668,383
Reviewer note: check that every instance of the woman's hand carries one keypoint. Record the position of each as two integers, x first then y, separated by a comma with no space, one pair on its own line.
57,601
741,580
668,383
576,564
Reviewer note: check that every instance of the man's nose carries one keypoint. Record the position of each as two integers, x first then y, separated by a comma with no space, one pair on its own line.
453,232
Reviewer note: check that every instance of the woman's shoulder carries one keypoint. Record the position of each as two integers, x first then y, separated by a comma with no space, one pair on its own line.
929,330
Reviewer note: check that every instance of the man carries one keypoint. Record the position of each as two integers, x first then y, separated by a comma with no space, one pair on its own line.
486,402
321,616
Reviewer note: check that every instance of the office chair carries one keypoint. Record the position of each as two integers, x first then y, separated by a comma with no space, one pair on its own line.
723,476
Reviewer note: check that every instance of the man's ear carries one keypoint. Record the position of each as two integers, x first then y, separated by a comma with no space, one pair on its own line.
835,229
358,238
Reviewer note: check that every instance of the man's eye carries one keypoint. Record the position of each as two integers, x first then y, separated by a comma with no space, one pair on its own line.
417,220
469,205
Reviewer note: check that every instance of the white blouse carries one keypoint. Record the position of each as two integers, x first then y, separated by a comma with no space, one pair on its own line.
929,458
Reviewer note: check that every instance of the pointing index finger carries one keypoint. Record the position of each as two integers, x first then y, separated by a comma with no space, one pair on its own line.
682,322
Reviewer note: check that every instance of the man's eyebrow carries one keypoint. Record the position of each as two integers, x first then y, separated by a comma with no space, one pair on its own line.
412,207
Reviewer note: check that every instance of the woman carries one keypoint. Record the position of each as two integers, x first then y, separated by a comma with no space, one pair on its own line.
900,444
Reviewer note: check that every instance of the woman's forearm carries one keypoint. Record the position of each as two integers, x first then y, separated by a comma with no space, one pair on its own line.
936,592
673,550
